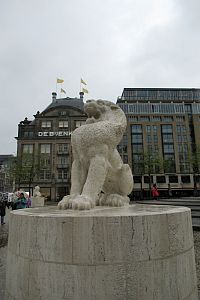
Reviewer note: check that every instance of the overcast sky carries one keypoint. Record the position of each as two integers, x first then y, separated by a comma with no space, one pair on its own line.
111,44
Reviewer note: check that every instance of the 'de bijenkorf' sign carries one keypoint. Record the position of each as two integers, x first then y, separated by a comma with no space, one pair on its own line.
54,133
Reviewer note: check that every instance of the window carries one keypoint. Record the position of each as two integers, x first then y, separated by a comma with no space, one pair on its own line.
180,128
46,124
63,174
155,139
137,139
45,162
166,128
62,160
148,128
188,108
144,119
148,138
182,138
148,179
167,119
156,119
45,148
137,179
136,128
168,148
138,148
167,138
79,123
185,179
63,148
133,118
180,118
63,124
27,148
160,179
45,174
155,129
173,179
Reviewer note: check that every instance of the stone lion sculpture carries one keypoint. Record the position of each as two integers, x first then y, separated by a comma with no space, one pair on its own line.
98,174
36,191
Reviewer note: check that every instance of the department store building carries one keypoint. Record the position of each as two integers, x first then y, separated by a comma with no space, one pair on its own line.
165,123
48,138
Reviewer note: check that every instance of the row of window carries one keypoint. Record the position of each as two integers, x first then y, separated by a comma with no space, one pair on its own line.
161,94
46,148
162,179
165,128
62,174
156,119
160,108
61,124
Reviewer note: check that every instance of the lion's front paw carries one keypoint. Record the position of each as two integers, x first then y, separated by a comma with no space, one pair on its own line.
66,202
116,200
82,202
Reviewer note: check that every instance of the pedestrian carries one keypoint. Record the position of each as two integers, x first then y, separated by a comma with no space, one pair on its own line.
2,211
169,190
155,192
21,201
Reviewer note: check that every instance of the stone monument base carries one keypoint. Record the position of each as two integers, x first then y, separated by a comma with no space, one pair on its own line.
136,252
37,201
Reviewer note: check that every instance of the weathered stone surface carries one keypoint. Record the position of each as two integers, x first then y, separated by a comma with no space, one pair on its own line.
135,252
97,165
37,201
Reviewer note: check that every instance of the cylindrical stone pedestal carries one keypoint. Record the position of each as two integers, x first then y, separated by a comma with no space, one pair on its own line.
140,252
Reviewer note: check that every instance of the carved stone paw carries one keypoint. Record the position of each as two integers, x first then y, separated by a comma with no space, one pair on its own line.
101,200
82,202
114,200
66,202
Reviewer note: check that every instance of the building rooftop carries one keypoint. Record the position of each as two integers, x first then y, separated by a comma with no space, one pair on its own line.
72,102
160,94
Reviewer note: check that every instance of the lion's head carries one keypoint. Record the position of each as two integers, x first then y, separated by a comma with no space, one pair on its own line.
102,110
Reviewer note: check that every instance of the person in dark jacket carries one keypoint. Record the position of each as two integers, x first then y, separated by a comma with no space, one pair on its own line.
2,211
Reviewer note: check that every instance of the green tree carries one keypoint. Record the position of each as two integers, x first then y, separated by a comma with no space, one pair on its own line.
194,160
152,165
24,170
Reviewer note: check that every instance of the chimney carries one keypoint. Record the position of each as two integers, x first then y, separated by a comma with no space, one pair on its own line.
81,95
54,97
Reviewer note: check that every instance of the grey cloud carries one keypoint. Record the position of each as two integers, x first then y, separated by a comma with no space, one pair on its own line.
111,44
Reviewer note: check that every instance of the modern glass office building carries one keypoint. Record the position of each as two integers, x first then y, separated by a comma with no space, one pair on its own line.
162,142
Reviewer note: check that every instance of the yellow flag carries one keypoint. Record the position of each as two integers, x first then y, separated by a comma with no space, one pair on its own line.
85,91
62,91
60,80
82,81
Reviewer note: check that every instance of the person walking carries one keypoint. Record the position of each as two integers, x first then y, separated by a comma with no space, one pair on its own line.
2,211
155,192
